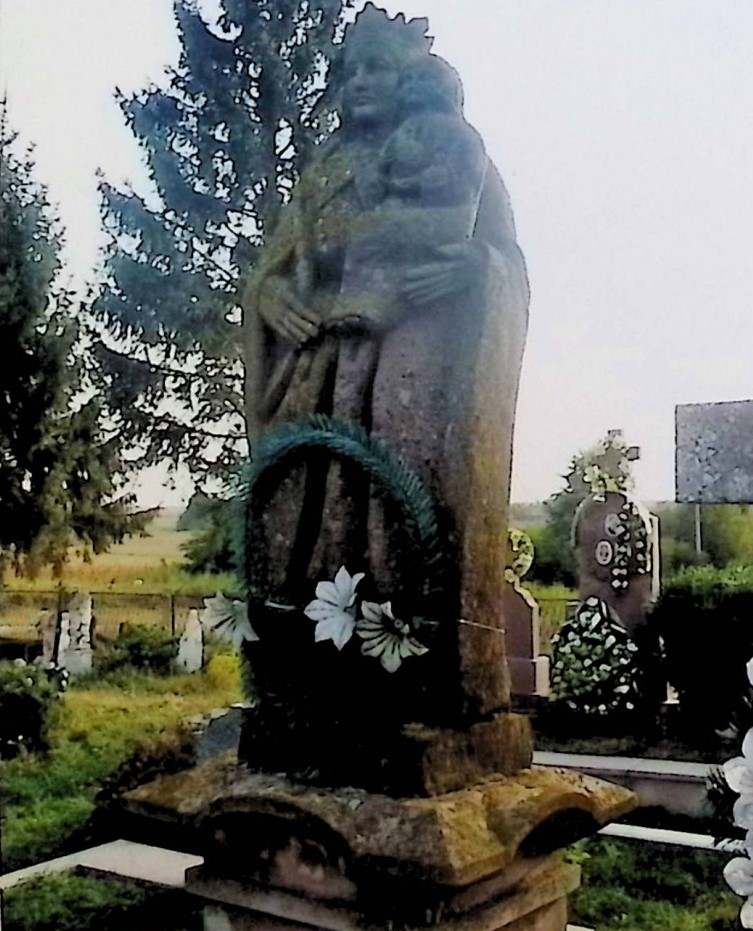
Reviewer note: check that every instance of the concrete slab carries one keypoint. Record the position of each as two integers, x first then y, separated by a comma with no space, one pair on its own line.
678,838
628,764
678,786
119,858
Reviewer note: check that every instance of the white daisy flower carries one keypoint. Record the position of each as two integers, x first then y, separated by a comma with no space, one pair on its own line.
386,637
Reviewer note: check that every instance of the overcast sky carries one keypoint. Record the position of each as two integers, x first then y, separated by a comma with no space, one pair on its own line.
623,129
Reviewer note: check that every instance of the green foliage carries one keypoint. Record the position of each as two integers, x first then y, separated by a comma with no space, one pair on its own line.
211,548
29,702
138,647
225,144
603,467
704,617
726,536
68,902
59,471
651,887
48,800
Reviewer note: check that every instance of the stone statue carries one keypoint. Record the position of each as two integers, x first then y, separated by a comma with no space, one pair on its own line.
392,295
400,218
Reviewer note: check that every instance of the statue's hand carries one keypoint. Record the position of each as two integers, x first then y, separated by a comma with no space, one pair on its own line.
460,267
285,313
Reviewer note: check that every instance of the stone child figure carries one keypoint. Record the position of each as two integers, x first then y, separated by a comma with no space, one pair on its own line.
432,171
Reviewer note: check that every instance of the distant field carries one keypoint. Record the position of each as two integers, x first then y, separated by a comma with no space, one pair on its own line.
151,564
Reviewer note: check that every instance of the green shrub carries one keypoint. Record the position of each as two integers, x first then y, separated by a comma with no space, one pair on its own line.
138,647
705,617
29,702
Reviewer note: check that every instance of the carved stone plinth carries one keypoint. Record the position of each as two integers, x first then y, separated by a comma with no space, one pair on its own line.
480,858
536,902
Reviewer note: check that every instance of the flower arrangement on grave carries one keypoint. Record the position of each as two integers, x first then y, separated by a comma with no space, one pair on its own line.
594,671
738,773
338,610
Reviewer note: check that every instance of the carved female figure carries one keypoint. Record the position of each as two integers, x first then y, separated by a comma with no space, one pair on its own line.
314,347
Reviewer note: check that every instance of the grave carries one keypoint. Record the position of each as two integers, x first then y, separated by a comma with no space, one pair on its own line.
382,779
617,547
191,645
529,669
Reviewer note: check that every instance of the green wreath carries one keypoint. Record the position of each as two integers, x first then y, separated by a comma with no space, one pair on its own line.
281,449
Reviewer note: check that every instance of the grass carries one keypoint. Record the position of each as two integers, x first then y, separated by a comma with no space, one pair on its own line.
47,798
651,887
84,903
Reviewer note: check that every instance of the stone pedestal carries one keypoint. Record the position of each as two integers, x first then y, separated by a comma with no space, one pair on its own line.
477,859
537,902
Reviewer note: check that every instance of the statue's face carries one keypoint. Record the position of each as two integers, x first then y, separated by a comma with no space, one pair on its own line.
370,87
430,87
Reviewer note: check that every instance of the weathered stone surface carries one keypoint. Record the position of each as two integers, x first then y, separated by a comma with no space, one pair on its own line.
445,760
714,453
454,840
393,296
537,902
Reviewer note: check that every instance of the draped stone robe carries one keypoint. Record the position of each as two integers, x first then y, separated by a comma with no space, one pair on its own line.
440,387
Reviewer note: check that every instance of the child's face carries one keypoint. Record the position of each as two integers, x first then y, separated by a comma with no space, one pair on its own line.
431,87
407,151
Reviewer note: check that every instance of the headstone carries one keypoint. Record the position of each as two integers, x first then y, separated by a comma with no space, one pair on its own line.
63,640
78,655
714,453
616,544
191,645
48,626
529,668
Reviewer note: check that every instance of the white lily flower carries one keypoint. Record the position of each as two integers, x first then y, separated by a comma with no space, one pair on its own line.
739,875
749,670
386,637
228,619
746,914
334,608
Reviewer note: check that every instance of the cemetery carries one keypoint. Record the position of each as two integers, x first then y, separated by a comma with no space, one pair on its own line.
354,687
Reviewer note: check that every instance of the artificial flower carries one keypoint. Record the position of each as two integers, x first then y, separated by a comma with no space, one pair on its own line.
386,637
334,608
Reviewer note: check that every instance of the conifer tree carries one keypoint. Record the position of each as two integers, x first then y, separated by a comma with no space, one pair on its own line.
224,145
59,473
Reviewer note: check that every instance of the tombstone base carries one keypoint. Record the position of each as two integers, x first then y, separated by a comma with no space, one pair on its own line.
276,851
537,902
430,760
